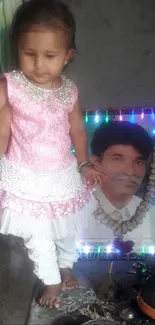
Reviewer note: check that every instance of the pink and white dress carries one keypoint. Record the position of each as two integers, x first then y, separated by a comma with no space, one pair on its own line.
42,196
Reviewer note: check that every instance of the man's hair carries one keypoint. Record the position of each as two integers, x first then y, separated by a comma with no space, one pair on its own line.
121,132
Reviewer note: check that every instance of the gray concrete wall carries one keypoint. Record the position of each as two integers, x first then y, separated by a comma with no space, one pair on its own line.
115,61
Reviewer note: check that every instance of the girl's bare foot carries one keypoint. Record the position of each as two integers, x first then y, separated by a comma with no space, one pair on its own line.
69,281
50,296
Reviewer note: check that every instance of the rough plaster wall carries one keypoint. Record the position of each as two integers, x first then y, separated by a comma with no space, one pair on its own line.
115,63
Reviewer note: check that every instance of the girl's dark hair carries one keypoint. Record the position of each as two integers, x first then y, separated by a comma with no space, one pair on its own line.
47,13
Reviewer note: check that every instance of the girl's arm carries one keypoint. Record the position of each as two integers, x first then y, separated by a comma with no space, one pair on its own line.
5,118
78,134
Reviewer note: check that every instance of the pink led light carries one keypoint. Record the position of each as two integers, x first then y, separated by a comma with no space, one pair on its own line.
142,115
120,116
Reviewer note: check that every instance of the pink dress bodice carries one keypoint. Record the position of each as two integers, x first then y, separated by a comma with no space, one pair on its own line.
39,175
40,128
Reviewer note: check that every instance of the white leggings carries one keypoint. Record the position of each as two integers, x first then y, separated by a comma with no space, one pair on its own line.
50,243
49,256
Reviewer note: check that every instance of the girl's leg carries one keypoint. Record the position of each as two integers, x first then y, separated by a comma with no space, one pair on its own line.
43,254
66,257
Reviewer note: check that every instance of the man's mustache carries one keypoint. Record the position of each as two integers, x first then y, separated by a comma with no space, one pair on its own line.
125,177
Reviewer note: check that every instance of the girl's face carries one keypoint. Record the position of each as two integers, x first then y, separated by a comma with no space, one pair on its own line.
43,54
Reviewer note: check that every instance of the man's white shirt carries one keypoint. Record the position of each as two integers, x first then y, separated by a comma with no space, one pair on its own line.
143,236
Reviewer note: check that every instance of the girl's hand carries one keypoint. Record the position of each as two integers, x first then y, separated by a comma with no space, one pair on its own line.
92,177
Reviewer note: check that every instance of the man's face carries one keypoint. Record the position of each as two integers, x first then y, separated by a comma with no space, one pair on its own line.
124,169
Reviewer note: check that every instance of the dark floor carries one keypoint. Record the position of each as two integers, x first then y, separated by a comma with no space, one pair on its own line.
18,284
16,281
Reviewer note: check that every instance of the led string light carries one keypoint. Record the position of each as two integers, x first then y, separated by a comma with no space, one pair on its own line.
96,117
106,117
152,116
152,113
142,114
134,116
86,251
152,250
120,116
86,117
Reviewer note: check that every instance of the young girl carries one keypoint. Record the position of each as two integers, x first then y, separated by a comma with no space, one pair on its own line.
43,198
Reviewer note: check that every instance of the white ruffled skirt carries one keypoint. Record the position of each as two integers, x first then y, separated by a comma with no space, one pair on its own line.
51,243
50,230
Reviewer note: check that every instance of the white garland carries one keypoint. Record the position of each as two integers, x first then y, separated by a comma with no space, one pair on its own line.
120,229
